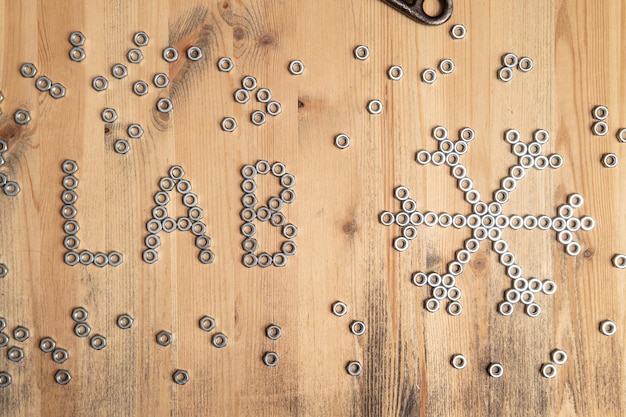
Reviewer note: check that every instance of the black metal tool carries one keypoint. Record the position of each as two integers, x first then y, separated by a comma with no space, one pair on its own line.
416,11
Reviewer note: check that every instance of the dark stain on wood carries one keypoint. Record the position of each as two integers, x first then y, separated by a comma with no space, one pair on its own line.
480,262
300,104
239,33
350,228
267,40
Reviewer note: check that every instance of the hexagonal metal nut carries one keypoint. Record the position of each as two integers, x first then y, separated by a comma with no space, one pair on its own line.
60,355
3,323
21,334
63,377
15,354
57,90
181,377
3,273
164,338
4,340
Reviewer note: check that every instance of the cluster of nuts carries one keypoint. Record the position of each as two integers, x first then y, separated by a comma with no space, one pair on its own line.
10,188
82,328
43,84
510,62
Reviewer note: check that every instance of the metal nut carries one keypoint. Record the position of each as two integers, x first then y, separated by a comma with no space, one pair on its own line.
164,338
21,334
15,354
181,377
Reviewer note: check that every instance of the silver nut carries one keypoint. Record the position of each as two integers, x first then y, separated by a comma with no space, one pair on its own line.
161,80
141,39
135,131
80,314
125,321
98,342
164,338
271,359
170,54
47,344
207,323
82,329
28,70
5,379
21,334
60,355
140,88
57,90
100,83
119,71
181,377
219,340
77,54
21,117
77,38
15,354
273,332
3,322
109,115
194,53
164,105
4,340
135,56
43,84
354,368
63,377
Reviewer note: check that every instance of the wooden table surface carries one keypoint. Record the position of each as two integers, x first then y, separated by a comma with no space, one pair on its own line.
344,252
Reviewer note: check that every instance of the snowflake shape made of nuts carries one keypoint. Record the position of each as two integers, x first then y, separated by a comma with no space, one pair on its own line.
487,221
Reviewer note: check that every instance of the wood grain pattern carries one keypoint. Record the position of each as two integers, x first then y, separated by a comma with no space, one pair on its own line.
344,253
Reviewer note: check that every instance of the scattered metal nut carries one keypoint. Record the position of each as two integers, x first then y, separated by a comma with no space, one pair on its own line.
219,340
141,39
60,355
354,368
47,344
207,323
225,64
28,70
21,117
15,354
134,56
273,332
77,38
77,54
164,338
57,90
164,105
181,377
271,359
124,321
140,88
43,83
63,377
98,342
170,54
135,131
229,124
109,115
119,71
100,83
161,80
21,334
194,53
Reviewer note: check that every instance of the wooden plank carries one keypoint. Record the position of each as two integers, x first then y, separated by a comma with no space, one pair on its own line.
344,253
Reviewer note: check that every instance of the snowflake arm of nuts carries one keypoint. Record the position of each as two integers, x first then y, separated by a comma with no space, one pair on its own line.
487,222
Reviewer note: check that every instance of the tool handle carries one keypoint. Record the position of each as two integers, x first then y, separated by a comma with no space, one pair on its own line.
416,11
